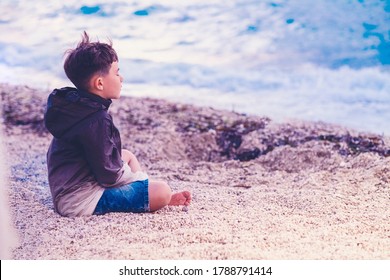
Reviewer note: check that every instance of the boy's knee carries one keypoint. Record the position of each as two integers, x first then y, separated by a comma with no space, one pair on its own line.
127,153
165,192
159,194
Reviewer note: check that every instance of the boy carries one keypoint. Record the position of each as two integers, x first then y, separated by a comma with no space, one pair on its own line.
89,173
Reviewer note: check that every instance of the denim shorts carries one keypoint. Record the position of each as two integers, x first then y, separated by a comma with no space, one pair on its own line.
133,197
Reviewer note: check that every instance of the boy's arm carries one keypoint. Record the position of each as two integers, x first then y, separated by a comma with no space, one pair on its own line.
101,153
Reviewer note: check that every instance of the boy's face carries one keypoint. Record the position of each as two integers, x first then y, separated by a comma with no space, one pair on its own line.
112,82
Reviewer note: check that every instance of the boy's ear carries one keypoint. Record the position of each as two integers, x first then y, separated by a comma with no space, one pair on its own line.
99,83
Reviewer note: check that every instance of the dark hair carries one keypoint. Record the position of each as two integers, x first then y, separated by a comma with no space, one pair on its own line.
88,59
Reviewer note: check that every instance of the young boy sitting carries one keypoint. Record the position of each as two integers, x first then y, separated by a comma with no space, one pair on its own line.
89,172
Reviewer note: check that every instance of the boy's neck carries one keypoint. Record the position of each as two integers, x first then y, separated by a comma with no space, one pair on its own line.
95,97
100,94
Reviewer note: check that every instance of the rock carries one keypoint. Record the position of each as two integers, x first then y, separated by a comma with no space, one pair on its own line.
22,104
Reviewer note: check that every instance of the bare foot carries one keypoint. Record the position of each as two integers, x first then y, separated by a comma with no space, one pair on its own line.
181,198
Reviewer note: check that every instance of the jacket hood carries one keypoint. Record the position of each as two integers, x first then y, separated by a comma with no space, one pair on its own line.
68,106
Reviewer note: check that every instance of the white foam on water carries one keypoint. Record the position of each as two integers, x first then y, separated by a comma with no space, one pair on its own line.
284,59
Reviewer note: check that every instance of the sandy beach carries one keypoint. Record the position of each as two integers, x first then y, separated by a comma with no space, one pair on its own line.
261,190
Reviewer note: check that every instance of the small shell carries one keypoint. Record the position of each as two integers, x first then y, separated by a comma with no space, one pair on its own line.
185,208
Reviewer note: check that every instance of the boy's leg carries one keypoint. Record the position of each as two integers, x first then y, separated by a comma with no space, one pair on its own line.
160,195
131,160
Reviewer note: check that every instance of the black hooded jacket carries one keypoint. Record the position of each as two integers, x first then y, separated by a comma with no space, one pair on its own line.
86,145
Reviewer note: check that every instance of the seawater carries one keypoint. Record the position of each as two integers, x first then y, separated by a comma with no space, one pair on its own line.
318,60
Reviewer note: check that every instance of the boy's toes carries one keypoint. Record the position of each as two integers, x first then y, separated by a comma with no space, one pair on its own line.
187,195
181,198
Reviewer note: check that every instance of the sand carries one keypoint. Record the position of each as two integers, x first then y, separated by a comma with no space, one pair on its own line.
261,190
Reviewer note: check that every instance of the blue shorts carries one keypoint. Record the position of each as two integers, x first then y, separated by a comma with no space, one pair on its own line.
133,197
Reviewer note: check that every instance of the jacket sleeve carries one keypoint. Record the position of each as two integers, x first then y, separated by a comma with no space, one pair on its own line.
101,152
